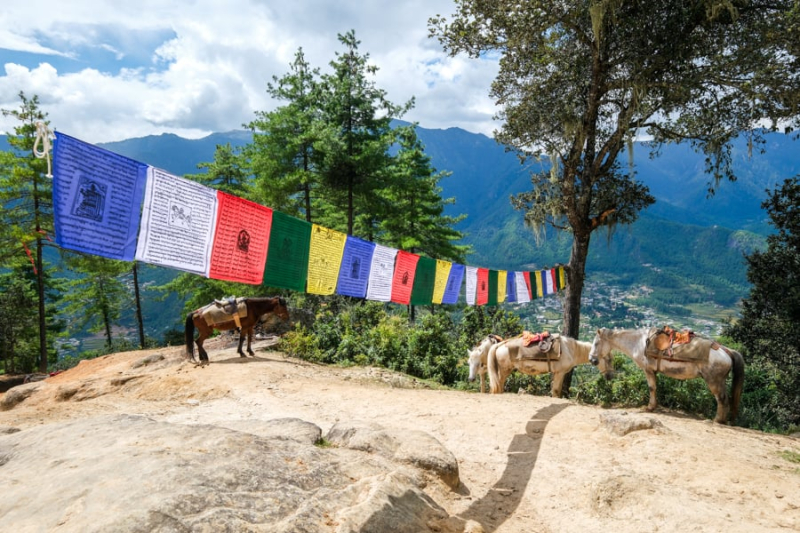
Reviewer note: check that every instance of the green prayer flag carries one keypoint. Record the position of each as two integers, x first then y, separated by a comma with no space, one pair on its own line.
424,281
493,275
287,257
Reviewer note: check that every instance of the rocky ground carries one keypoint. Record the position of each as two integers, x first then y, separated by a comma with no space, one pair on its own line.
525,463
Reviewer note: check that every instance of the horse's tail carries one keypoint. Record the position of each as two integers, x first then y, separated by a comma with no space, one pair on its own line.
737,384
189,335
491,367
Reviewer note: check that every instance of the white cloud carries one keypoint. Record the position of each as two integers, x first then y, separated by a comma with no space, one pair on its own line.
209,70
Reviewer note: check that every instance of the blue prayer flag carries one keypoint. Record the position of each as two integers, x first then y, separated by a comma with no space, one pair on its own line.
97,199
354,272
454,281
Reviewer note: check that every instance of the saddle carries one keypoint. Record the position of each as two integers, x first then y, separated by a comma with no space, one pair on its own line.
227,310
539,346
671,345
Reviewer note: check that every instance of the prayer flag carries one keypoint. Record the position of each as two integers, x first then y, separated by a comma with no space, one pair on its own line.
511,287
324,259
531,288
454,281
380,274
241,239
403,280
178,222
502,285
424,281
562,278
471,276
287,259
492,292
538,279
354,272
442,276
550,279
483,287
97,197
523,296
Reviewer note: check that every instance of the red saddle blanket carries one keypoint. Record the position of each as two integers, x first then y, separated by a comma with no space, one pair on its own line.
529,338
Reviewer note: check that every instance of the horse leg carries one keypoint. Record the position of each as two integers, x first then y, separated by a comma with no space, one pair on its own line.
241,340
201,350
557,383
480,375
250,341
651,384
721,395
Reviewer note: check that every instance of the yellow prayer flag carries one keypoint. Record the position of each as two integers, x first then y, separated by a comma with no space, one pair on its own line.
440,282
324,259
502,285
538,275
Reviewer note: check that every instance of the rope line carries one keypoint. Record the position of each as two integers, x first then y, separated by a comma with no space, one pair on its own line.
43,137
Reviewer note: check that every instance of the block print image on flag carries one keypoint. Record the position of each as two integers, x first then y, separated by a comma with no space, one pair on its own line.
403,280
381,273
325,259
97,197
424,281
287,258
354,271
241,239
178,221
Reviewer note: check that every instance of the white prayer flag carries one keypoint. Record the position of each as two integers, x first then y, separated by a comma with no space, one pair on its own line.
472,284
178,221
522,288
381,274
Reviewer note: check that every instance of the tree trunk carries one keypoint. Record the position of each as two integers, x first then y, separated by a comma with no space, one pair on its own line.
139,321
576,275
42,316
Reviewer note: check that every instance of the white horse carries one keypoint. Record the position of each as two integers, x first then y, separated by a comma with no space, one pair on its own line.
478,356
714,370
502,361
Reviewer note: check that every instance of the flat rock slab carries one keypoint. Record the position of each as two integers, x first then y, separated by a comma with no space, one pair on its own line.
128,473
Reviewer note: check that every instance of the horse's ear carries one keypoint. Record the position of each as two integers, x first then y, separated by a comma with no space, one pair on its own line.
281,301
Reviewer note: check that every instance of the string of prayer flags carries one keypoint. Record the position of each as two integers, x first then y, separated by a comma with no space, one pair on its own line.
287,258
454,281
97,198
178,222
381,273
511,287
102,201
241,240
502,285
440,284
403,280
355,269
325,259
424,282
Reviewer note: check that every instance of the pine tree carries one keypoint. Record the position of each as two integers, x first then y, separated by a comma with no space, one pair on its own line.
27,211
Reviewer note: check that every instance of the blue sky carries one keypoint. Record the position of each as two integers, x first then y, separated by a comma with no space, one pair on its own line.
106,71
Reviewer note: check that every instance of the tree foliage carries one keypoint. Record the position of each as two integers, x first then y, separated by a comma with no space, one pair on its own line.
770,314
27,211
579,80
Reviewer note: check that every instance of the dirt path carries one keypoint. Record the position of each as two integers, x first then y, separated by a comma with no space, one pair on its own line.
527,463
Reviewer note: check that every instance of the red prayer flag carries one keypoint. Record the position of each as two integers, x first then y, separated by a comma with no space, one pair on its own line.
482,297
527,276
405,267
241,240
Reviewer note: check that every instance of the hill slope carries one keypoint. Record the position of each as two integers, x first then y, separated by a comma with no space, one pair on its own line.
526,463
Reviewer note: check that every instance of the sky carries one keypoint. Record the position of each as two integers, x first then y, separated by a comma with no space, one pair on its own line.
106,71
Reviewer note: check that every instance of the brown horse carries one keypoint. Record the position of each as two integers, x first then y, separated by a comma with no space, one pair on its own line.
257,308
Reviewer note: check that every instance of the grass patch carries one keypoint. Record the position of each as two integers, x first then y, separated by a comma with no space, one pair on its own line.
791,456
